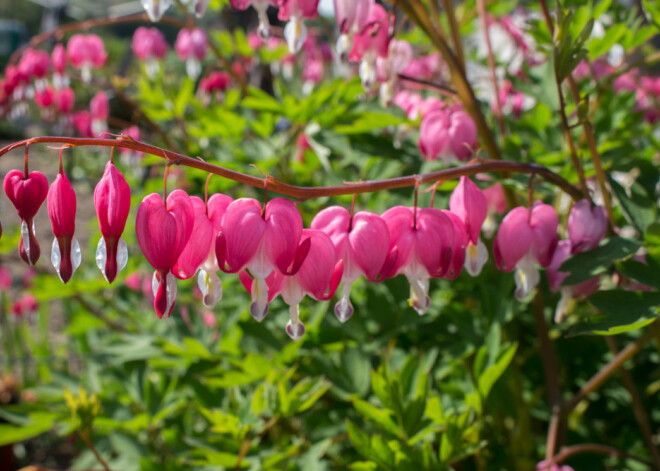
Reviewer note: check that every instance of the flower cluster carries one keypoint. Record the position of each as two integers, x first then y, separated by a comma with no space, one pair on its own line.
273,254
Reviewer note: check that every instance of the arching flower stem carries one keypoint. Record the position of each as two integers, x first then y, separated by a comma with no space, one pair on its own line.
305,193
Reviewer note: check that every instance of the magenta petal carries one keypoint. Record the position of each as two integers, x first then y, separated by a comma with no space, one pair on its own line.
556,277
399,220
458,248
369,242
62,207
198,246
316,271
544,222
586,226
434,235
283,232
513,239
217,207
112,200
162,233
469,203
26,194
243,228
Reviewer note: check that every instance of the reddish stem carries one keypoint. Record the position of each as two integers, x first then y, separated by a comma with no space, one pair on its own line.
304,193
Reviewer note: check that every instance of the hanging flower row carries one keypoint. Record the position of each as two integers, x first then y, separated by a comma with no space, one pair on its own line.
273,254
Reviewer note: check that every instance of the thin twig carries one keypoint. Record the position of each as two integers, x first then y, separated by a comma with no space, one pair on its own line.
599,378
84,435
481,7
442,89
550,374
573,450
304,193
638,407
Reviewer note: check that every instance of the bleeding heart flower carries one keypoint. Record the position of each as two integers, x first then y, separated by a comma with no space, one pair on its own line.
85,52
149,45
444,133
163,230
99,109
112,200
27,194
469,203
295,11
361,242
191,46
526,237
459,247
261,6
208,281
156,8
64,100
423,240
370,43
319,276
586,226
569,293
65,255
261,241
199,244
352,17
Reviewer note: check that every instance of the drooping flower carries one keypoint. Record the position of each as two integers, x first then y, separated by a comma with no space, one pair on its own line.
370,43
156,8
295,12
318,276
362,242
163,230
112,200
199,244
261,6
208,281
352,17
423,240
60,60
61,204
586,226
27,193
262,241
82,121
191,46
64,100
26,305
444,133
99,109
149,45
469,203
526,237
5,279
458,248
399,54
569,293
85,52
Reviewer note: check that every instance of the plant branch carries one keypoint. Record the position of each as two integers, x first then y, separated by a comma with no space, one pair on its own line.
84,435
569,451
481,7
599,378
304,193
550,374
638,407
442,89
455,31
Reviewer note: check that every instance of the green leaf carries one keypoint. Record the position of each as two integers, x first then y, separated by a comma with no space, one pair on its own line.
488,378
623,311
359,439
368,122
595,262
599,46
638,208
40,422
380,416
645,273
